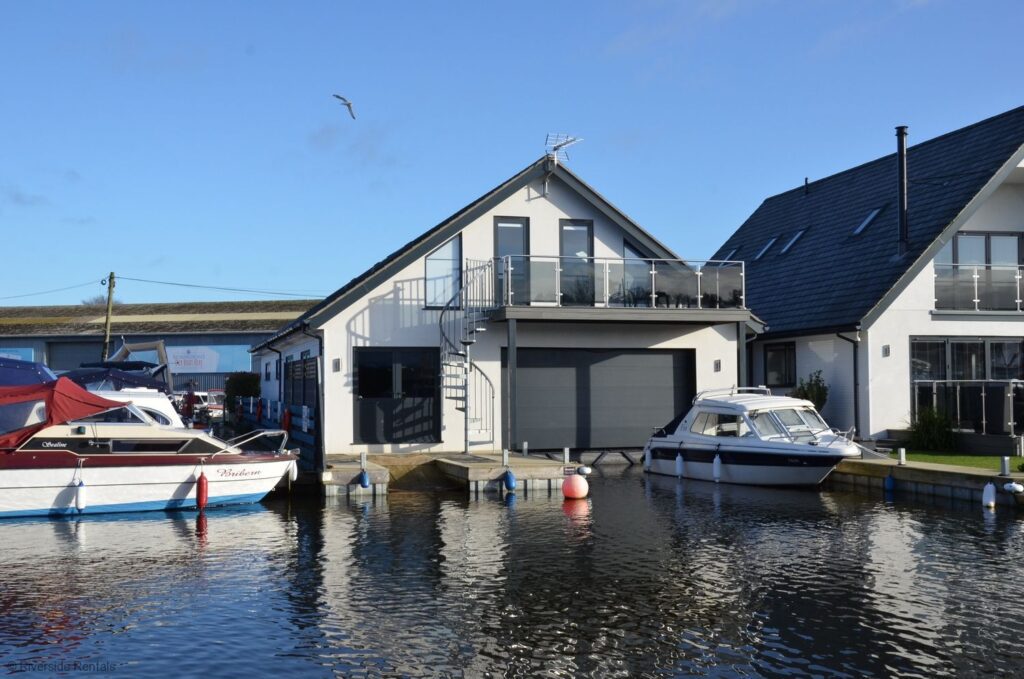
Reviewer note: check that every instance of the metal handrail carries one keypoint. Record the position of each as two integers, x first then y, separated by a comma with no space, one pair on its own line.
603,266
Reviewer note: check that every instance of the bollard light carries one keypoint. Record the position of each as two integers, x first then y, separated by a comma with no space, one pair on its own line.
1004,466
504,457
565,456
526,448
902,453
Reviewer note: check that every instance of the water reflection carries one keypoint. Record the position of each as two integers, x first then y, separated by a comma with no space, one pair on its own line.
648,576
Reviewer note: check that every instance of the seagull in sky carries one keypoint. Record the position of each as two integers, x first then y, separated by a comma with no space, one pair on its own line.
347,103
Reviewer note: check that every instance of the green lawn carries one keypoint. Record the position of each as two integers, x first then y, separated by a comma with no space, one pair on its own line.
981,461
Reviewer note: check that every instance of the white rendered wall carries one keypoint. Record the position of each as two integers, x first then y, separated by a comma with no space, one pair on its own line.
910,315
393,315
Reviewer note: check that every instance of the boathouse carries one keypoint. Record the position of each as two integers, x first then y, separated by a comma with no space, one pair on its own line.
537,316
900,280
205,340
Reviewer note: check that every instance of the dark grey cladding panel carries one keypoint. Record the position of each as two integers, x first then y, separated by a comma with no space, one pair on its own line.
831,277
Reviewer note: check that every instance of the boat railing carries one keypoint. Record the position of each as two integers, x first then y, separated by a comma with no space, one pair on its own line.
242,439
731,391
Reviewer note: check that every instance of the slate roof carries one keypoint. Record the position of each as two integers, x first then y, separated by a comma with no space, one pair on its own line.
829,279
438,234
150,319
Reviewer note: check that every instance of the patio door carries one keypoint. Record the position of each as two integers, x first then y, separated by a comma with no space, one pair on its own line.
397,395
576,243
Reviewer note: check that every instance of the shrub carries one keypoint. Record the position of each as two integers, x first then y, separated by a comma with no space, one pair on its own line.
240,385
812,389
931,431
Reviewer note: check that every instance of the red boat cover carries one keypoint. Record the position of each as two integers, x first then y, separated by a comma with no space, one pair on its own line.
65,401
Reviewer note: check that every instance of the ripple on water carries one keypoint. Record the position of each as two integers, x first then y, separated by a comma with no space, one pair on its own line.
648,577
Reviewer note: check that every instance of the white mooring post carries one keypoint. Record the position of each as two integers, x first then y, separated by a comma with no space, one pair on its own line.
526,448
565,456
504,457
1004,466
902,455
362,460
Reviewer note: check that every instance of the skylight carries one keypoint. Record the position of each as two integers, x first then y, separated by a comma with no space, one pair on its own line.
867,220
766,247
731,253
789,244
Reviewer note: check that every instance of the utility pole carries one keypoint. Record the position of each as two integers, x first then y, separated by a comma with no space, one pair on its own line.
110,309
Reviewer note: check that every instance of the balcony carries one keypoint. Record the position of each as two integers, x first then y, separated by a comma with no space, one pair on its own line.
589,282
963,287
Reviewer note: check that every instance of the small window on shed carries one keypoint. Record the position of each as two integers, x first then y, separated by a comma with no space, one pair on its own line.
867,220
789,243
766,247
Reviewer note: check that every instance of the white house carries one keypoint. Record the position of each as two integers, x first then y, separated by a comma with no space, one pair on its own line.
902,287
537,315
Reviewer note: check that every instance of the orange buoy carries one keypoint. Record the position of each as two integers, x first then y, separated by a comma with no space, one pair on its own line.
202,491
575,487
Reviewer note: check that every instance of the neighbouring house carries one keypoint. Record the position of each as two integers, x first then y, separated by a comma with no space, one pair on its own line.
205,340
900,280
537,316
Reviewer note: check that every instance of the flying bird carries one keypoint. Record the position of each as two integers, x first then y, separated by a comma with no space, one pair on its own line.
347,103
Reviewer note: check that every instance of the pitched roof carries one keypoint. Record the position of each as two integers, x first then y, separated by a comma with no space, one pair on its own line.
426,242
149,319
830,278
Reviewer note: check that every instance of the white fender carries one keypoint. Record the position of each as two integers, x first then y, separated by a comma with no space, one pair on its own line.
679,464
80,496
716,468
988,495
1013,487
293,471
647,458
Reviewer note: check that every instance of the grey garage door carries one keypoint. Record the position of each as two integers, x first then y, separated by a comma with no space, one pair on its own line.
598,398
71,355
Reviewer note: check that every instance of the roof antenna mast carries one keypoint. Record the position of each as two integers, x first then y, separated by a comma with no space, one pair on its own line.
555,146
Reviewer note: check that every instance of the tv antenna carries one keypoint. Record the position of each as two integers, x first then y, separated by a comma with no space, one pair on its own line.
555,145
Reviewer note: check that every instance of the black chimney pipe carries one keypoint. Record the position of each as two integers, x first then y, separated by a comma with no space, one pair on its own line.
901,160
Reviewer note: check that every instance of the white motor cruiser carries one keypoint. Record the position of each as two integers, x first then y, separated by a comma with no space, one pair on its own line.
748,436
65,450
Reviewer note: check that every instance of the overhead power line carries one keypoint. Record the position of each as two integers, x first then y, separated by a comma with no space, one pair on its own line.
304,295
47,292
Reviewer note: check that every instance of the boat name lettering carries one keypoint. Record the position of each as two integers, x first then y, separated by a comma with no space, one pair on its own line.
54,444
237,473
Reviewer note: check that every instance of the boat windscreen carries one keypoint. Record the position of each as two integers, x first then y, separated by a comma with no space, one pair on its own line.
766,425
673,424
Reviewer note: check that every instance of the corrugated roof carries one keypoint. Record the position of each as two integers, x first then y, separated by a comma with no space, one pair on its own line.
831,278
177,317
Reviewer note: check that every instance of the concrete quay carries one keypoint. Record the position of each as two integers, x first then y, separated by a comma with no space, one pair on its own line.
925,479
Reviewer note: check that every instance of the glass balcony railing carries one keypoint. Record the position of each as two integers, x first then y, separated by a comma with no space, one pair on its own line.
964,287
978,406
528,280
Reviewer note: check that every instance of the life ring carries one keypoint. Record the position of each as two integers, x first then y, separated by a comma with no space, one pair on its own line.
286,419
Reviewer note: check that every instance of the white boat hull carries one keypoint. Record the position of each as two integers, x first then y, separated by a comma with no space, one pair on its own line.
745,474
56,491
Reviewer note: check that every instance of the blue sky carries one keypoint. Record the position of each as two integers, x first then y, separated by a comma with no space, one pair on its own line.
198,142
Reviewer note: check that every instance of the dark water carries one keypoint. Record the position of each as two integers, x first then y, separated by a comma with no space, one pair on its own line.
650,577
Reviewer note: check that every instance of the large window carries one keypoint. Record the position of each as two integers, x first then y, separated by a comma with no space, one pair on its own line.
981,249
443,275
398,395
974,359
512,240
780,365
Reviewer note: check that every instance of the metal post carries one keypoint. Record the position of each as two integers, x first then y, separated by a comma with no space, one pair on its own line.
1016,278
526,448
958,419
902,456
984,424
654,286
700,288
504,457
510,381
976,298
466,368
362,460
565,455
1004,466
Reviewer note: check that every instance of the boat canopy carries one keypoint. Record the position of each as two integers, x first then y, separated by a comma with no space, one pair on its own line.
14,372
114,379
24,410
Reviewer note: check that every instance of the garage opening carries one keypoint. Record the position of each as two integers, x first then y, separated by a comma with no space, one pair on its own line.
596,398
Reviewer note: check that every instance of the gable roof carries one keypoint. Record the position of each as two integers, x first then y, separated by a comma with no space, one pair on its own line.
831,279
423,244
